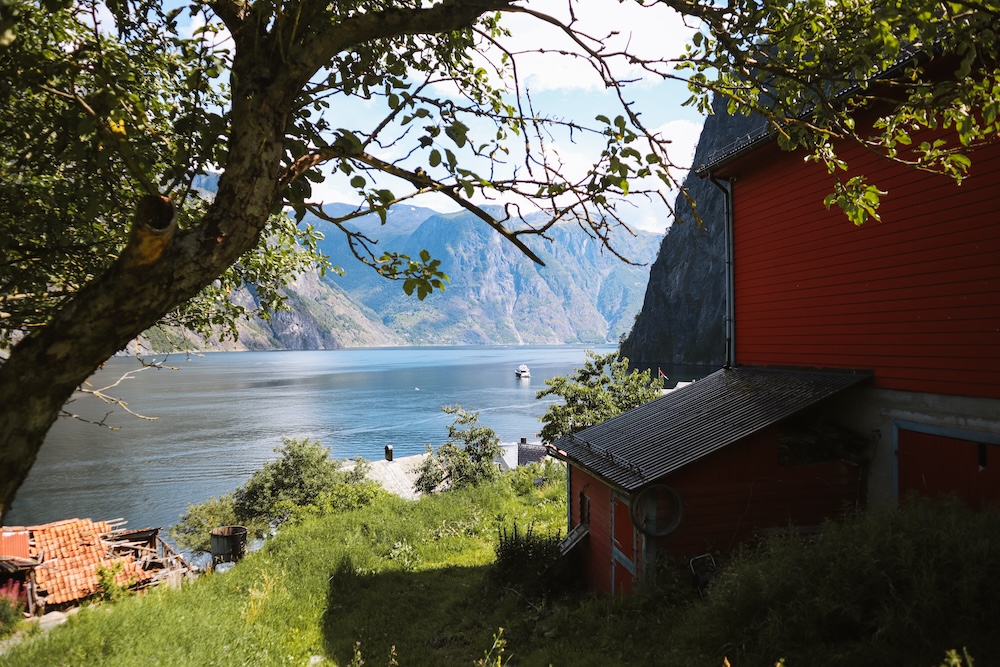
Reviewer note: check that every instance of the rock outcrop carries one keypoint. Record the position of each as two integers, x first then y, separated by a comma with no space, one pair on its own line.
682,321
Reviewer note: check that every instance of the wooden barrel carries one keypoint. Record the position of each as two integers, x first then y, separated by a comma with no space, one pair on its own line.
229,543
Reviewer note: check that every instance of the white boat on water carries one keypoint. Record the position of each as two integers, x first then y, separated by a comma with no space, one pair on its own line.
522,371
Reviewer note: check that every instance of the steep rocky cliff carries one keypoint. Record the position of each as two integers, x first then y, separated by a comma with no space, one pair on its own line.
682,321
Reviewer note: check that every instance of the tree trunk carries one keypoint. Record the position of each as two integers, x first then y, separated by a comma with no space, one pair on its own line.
156,273
150,279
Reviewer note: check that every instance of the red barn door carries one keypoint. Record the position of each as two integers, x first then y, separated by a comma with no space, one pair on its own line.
937,465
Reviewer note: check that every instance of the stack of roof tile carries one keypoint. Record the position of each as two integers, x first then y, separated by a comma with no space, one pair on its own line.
71,553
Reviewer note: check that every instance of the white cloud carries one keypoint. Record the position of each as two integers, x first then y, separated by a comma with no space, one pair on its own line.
683,137
648,32
333,190
220,38
650,214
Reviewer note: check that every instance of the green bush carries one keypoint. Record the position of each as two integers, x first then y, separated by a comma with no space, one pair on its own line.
10,607
302,481
109,589
889,586
467,459
524,558
343,497
302,471
192,532
545,481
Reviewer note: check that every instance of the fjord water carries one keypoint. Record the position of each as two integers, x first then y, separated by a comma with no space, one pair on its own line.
218,417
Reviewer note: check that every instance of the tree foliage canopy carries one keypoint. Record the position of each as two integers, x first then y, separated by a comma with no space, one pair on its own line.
603,388
302,471
112,112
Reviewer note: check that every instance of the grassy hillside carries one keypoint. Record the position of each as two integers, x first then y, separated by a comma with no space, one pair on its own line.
410,574
412,583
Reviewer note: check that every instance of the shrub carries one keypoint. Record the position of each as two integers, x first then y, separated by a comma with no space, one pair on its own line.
301,472
546,480
10,607
109,588
302,481
193,530
467,459
524,558
886,587
343,497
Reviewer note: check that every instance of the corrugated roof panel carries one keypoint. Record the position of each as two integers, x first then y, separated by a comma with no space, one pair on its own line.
648,442
14,544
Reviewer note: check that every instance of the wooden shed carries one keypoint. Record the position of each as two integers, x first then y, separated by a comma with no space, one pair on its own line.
703,468
60,564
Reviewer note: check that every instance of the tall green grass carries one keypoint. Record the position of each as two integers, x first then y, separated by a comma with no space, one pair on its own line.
413,583
283,604
887,587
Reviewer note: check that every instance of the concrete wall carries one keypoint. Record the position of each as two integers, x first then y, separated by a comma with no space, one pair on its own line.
884,412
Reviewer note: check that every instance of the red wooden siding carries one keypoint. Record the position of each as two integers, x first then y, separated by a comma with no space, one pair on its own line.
915,297
730,495
726,497
934,465
625,571
596,549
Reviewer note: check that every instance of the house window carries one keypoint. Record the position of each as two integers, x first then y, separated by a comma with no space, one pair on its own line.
584,508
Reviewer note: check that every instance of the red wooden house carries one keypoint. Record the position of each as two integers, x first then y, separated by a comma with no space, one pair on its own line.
887,337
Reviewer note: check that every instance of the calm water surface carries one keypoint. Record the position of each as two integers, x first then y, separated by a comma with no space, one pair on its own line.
220,416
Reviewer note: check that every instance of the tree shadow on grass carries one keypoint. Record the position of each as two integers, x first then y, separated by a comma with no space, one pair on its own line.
431,617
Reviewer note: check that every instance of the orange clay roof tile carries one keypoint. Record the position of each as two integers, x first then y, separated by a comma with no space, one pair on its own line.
71,553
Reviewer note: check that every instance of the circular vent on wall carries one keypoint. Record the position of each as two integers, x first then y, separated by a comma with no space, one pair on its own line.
657,510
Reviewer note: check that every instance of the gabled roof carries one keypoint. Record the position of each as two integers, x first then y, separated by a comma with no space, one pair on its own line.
530,452
642,445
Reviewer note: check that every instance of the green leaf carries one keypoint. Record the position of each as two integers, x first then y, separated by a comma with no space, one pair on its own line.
457,132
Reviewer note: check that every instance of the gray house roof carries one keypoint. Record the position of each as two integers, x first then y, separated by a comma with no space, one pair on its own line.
642,445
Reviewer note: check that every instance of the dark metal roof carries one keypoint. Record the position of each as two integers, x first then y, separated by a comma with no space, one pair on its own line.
642,445
530,452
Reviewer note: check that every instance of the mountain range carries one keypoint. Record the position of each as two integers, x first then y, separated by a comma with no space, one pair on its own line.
495,294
